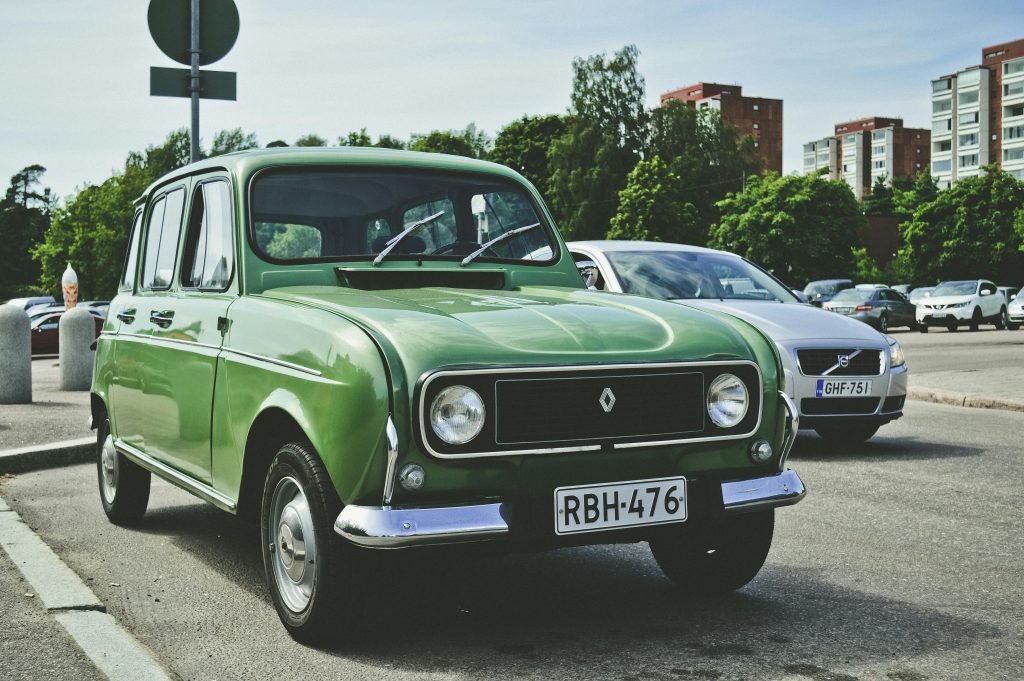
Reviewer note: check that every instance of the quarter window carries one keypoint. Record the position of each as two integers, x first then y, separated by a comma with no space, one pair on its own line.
209,246
162,240
128,273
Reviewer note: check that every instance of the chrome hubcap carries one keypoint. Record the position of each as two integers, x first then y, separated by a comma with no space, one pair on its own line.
293,544
108,467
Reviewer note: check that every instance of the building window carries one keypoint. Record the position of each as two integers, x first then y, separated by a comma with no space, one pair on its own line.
942,105
968,160
850,139
757,126
878,135
941,85
1015,66
757,107
943,145
1013,89
965,98
878,165
917,165
967,118
1013,154
968,140
1017,174
756,144
1011,111
945,125
809,148
942,166
1014,132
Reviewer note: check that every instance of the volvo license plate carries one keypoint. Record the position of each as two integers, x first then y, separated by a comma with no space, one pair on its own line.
841,388
589,508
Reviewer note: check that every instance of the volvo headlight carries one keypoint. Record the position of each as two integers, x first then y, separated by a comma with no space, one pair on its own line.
457,414
727,401
896,358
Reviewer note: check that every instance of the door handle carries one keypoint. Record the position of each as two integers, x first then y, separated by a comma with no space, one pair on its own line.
161,318
127,316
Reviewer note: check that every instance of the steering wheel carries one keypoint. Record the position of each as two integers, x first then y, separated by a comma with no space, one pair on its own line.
470,246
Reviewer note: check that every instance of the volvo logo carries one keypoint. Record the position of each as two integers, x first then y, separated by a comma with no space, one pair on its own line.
844,360
607,400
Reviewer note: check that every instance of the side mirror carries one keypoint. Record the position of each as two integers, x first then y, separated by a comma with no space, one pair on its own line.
588,270
985,293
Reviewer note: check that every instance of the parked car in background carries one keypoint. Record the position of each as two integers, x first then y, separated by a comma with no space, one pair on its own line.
26,303
1008,292
882,308
800,295
370,349
920,293
972,302
846,378
820,292
1015,312
45,332
42,310
905,289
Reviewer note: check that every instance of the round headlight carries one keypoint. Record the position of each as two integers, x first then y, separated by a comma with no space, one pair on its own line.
457,414
727,401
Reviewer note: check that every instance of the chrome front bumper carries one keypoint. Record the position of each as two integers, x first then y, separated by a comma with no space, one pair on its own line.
394,528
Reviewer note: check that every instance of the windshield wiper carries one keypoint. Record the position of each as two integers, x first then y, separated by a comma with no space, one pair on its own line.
497,240
390,245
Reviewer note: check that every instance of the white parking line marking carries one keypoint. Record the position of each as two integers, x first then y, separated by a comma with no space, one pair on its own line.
113,650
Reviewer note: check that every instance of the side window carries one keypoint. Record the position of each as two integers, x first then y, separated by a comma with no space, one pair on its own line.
599,284
162,240
128,274
208,261
988,288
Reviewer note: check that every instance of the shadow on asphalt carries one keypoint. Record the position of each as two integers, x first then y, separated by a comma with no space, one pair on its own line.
810,446
588,610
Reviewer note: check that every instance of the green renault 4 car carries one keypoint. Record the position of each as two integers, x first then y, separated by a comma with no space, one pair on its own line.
372,349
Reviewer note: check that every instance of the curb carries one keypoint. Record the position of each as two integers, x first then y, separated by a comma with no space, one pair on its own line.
52,455
964,399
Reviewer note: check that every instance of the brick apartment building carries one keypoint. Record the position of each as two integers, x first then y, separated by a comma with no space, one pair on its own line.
978,116
866,149
758,117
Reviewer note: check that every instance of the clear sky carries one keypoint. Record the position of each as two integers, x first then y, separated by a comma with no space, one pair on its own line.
75,75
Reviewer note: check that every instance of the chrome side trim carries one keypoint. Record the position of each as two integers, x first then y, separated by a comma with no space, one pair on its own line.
393,528
783,489
427,378
791,429
201,490
173,342
273,360
389,475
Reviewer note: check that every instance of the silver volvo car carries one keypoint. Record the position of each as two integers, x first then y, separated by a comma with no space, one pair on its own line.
846,378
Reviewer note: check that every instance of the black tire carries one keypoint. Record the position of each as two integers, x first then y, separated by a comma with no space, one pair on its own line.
332,599
124,485
712,560
847,434
952,327
1003,320
975,320
1012,326
883,323
923,328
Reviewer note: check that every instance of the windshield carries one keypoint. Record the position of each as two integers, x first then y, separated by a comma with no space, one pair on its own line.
351,214
821,288
955,288
919,293
1020,295
688,275
853,295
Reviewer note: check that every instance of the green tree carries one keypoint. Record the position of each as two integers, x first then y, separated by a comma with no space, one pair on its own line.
799,227
880,200
523,146
91,229
389,142
652,207
25,213
276,143
973,229
443,142
356,138
227,141
311,140
906,200
609,92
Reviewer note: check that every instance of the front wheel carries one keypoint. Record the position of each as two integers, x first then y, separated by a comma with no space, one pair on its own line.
923,328
302,560
1012,326
1003,320
975,320
124,485
847,434
707,561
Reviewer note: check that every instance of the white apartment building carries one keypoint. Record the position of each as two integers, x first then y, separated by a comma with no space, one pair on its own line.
820,154
1012,147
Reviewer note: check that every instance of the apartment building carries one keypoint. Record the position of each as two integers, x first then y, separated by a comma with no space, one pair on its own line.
978,116
759,117
863,150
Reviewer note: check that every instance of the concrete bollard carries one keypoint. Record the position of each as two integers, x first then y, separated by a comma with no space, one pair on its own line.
15,356
76,333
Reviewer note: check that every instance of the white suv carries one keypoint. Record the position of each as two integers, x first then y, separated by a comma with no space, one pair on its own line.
953,303
1016,312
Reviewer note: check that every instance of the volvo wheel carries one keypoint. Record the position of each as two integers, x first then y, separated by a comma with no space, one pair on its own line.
124,485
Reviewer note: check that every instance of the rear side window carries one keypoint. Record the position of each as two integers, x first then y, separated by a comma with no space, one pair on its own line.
209,244
128,275
162,234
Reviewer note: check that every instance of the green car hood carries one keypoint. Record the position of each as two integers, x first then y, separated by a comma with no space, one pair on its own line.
427,328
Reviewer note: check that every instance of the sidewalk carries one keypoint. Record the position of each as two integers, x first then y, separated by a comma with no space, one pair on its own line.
990,388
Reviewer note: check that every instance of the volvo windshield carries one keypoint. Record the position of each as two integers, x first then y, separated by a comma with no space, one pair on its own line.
331,214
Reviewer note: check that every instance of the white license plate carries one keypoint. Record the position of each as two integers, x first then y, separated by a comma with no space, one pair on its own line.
588,508
838,388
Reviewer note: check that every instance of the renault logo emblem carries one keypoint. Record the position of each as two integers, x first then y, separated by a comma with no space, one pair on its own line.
607,400
844,360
